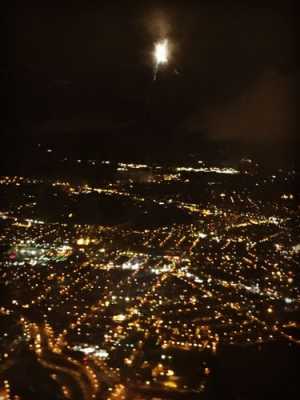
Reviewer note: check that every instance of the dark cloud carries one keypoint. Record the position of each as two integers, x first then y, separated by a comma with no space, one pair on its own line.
261,121
264,111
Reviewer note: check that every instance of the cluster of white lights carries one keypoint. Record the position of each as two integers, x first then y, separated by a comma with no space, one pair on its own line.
92,350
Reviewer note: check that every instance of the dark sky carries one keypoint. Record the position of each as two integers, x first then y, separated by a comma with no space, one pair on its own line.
87,69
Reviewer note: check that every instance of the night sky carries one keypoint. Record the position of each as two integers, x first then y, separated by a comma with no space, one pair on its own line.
83,73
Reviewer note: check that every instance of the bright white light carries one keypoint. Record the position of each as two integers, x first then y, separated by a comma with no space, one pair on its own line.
94,350
161,52
134,266
119,317
296,248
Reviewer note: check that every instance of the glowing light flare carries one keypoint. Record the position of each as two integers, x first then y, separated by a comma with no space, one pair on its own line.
161,52
160,55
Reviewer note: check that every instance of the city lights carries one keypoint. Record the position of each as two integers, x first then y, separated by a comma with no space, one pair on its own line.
93,302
